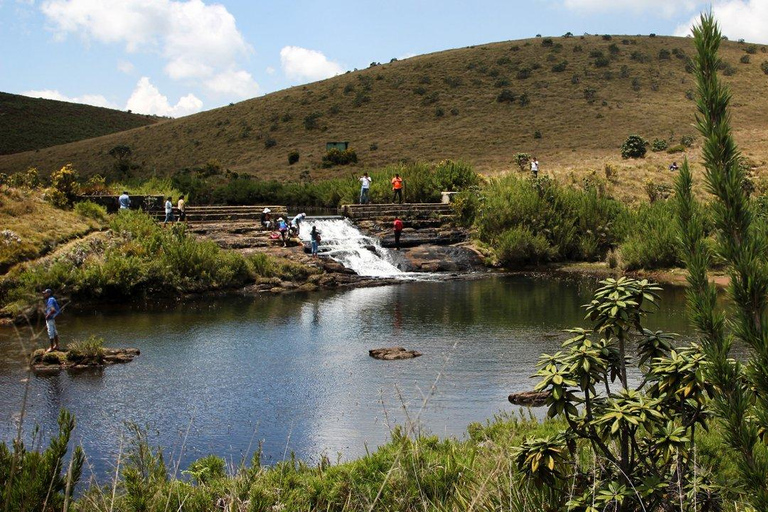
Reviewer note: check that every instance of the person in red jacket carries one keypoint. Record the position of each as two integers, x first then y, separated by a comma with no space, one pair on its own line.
398,224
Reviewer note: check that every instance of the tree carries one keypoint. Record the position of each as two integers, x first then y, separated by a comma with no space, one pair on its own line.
633,147
741,397
122,155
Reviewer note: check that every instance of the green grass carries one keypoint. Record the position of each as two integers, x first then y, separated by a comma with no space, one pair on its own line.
29,124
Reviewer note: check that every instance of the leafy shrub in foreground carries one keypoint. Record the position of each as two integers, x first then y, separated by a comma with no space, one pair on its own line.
518,246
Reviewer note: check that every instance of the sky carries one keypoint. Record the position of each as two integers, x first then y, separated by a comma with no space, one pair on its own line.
178,57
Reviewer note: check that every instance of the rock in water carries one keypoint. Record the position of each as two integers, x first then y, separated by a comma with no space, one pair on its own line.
529,398
392,353
42,361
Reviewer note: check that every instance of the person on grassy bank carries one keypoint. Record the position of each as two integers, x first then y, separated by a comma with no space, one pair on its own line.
365,186
397,189
52,310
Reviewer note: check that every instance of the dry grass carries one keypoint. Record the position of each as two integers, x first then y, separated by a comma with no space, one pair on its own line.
381,108
38,226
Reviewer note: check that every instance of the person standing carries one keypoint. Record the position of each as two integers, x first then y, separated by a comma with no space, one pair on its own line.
314,238
365,185
181,205
52,310
124,201
535,167
282,228
397,188
398,225
168,211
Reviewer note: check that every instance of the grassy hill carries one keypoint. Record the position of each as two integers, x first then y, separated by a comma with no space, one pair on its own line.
570,101
28,124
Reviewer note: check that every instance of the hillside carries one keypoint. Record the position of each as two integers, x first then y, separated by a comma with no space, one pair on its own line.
27,124
582,95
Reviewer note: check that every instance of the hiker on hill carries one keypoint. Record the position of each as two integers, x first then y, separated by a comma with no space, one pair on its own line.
52,310
398,226
181,206
266,218
314,238
365,185
124,201
535,167
168,211
397,188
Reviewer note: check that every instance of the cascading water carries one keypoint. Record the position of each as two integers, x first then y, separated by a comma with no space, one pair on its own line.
343,242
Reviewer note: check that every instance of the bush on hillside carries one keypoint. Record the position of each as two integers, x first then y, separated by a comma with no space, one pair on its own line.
90,210
744,59
764,67
659,145
64,187
335,156
311,121
28,179
633,147
559,68
293,157
664,54
687,140
751,49
506,96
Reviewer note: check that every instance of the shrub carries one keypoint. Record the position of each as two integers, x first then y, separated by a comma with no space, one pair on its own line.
728,69
439,112
624,73
523,73
652,242
639,56
27,179
664,54
687,140
522,160
602,62
524,99
518,246
293,157
501,82
578,49
537,134
633,147
547,42
311,121
751,49
744,59
506,96
91,348
607,37
269,142
65,187
90,210
559,68
589,94
764,66
335,156
659,145
679,148
420,90
207,470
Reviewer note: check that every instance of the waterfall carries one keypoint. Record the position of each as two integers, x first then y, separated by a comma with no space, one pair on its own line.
343,242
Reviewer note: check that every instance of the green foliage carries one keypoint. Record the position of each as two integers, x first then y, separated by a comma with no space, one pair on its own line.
641,438
741,401
207,470
559,68
651,242
659,145
28,179
311,121
293,157
633,147
336,156
64,187
92,348
664,54
744,59
751,49
506,96
523,160
687,140
519,246
32,481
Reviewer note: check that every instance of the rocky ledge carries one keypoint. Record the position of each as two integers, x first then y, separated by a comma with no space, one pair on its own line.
529,398
42,361
392,353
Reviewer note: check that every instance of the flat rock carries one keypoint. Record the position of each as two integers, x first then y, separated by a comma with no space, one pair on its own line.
529,398
392,353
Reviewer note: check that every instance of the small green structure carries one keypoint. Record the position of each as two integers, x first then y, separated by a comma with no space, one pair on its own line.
341,146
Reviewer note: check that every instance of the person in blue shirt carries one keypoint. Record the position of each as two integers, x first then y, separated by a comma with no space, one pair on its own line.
282,227
124,200
52,310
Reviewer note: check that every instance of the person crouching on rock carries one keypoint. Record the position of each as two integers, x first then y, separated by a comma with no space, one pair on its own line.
296,221
282,227
52,310
398,225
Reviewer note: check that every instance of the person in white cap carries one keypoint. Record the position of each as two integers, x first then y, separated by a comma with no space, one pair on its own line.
296,221
266,221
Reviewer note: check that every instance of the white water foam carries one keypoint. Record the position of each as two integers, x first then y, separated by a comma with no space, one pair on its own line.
343,242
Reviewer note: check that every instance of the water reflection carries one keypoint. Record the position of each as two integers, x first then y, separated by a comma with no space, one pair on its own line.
294,370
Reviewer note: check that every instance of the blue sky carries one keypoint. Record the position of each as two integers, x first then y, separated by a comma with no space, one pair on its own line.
177,57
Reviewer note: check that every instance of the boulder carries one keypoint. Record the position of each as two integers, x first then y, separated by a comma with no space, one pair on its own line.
392,353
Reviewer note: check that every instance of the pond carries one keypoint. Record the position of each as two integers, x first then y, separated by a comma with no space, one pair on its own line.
293,372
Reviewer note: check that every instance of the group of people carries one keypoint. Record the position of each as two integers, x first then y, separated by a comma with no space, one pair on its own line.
398,185
282,228
124,202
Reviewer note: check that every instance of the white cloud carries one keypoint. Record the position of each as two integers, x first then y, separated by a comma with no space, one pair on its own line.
232,82
197,41
147,99
125,66
270,70
738,19
666,8
97,100
302,64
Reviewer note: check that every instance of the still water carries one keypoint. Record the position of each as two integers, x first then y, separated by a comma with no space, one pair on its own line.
293,371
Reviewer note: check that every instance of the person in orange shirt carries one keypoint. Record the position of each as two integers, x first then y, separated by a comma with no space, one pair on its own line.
397,188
